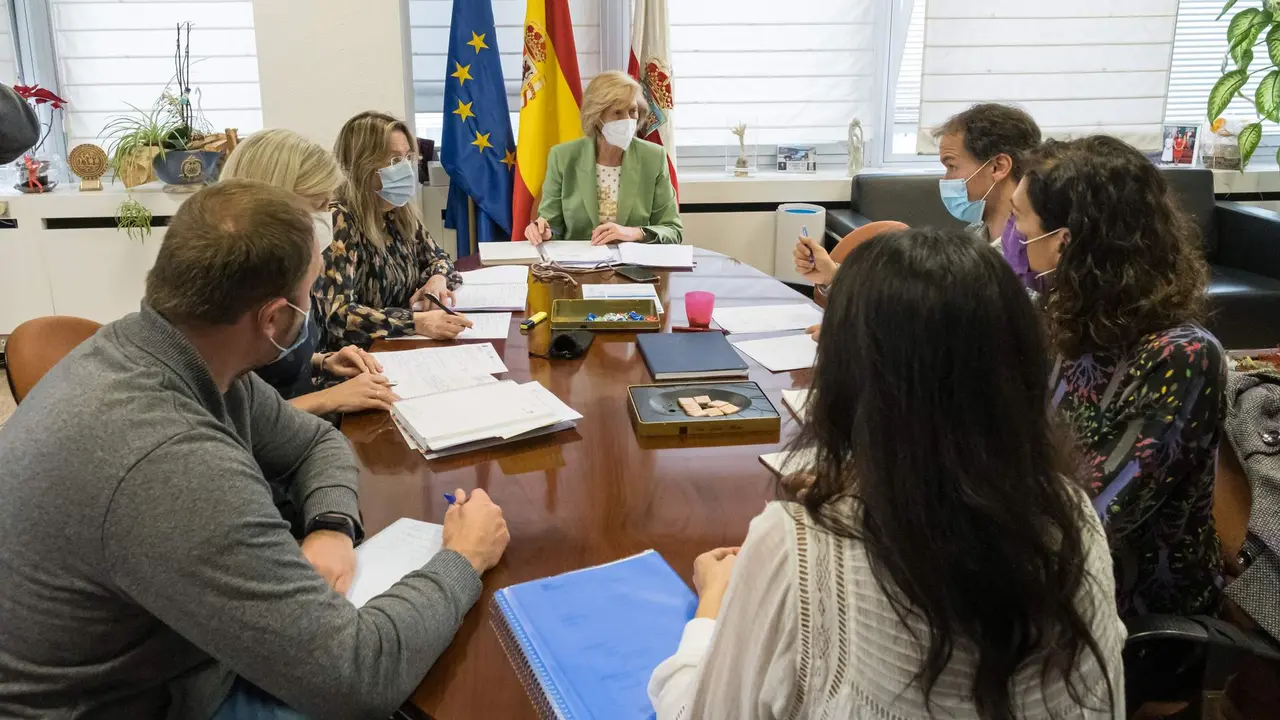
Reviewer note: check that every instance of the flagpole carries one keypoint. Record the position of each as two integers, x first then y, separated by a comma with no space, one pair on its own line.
472,230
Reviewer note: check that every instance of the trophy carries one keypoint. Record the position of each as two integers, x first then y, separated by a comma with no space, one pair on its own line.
90,163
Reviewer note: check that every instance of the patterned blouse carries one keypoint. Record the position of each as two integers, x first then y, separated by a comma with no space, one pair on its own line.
1149,425
364,291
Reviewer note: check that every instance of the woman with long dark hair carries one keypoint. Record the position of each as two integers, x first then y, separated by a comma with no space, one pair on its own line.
1136,377
940,562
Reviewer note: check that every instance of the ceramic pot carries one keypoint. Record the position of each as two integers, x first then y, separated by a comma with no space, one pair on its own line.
135,168
186,167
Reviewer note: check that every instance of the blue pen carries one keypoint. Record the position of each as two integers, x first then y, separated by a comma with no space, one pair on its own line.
804,232
450,498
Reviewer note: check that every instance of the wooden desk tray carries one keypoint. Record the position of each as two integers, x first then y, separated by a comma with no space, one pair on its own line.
656,411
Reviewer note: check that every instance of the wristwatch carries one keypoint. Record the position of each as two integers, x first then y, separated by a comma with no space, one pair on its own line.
337,522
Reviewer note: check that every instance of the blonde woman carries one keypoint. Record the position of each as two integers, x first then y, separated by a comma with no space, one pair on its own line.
609,186
383,274
287,160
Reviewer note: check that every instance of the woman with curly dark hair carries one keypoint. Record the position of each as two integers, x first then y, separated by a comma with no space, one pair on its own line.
1139,380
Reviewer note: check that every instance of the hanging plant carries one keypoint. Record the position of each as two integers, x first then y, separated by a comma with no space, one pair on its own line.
134,218
1252,32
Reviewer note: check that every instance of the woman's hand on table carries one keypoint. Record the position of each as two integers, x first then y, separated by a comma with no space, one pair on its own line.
350,362
438,286
607,233
537,232
813,261
711,574
814,331
362,392
439,325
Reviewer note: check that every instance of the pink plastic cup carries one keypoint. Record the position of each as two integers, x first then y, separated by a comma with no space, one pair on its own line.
698,306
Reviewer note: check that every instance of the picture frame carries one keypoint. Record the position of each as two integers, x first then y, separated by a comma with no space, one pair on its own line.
797,158
1179,145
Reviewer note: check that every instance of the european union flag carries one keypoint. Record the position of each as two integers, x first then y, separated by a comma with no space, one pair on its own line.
477,150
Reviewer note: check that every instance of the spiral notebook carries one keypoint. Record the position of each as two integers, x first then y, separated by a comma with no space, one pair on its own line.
586,642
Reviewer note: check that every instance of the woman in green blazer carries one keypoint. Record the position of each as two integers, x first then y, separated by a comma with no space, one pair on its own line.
609,186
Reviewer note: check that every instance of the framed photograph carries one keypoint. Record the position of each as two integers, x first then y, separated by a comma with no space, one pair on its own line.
797,158
1180,145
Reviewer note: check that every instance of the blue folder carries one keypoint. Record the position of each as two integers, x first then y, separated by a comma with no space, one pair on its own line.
585,643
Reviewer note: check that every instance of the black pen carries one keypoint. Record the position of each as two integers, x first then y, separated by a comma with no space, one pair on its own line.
435,300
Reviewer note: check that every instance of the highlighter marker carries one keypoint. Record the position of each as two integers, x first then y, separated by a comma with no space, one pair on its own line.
537,318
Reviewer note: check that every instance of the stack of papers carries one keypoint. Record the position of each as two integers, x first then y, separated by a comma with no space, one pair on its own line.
798,401
767,318
450,402
657,256
788,463
495,288
630,291
780,354
579,253
384,559
508,253
481,416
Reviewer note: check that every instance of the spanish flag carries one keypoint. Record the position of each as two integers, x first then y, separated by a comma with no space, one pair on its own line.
550,102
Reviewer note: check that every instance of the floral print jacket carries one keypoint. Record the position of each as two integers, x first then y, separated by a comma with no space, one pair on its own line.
1149,424
365,290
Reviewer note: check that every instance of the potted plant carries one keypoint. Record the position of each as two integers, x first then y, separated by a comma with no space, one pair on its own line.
182,165
33,170
134,142
1252,33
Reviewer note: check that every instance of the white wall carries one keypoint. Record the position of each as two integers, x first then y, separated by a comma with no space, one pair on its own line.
322,61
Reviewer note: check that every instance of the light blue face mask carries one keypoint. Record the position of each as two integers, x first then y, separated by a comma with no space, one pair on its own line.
302,334
955,196
399,181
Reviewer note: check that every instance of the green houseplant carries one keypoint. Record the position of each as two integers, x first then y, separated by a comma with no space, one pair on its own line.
133,142
1253,34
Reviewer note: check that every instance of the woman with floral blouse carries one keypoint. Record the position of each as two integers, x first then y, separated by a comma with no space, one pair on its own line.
1140,382
382,263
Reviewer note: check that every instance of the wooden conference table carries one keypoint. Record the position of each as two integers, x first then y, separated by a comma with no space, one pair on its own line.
581,497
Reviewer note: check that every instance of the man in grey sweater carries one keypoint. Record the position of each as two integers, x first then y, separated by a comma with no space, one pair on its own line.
144,567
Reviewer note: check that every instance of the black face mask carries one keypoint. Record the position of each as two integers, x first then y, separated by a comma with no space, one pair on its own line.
570,345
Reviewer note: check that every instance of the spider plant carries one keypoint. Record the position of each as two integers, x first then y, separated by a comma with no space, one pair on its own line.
128,133
134,218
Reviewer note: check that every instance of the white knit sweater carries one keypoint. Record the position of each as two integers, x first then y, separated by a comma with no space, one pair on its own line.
805,632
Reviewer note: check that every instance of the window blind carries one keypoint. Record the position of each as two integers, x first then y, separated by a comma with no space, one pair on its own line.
8,64
429,28
906,110
1084,67
795,72
1198,48
117,53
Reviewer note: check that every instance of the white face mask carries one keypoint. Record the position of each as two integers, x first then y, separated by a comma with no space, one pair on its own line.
619,133
323,222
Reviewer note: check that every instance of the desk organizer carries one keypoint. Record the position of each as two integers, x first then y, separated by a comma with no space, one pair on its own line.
572,315
656,411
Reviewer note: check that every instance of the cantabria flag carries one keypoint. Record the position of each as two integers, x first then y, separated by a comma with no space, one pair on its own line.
650,65
550,99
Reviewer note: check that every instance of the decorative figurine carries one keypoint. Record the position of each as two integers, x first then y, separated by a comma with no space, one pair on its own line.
741,168
855,147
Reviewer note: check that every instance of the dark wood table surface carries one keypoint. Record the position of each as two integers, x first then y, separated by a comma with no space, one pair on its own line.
580,497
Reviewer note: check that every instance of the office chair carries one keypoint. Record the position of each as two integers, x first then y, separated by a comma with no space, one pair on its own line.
37,345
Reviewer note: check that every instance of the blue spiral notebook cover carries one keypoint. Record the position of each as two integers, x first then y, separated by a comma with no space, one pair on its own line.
585,643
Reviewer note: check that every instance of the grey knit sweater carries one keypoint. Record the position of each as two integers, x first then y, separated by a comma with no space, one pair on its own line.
143,564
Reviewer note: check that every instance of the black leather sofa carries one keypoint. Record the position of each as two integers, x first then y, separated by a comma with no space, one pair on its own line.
1242,243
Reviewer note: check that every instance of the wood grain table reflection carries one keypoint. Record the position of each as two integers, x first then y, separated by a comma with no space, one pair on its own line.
581,497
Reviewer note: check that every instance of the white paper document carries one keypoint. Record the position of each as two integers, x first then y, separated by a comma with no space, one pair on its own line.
384,559
487,326
791,352
566,418
508,253
767,318
579,252
656,256
497,410
482,298
798,401
427,371
788,463
499,275
629,291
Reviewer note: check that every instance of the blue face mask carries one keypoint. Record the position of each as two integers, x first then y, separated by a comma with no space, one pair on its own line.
955,196
399,181
302,335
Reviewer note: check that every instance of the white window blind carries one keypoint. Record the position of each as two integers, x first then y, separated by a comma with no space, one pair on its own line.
429,24
1198,49
1082,67
117,53
906,111
8,66
795,72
